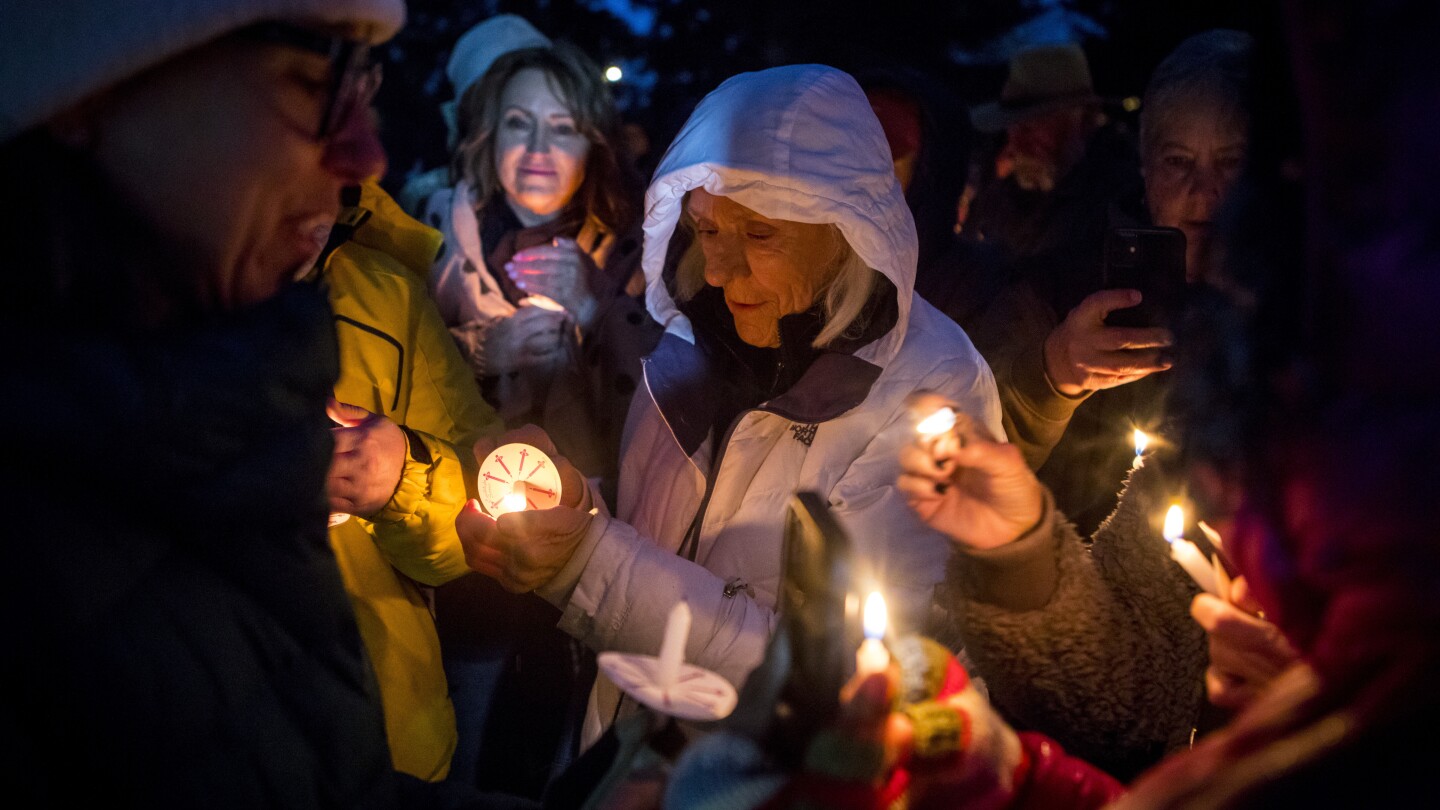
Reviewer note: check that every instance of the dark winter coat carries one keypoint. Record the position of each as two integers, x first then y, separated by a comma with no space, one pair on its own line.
178,634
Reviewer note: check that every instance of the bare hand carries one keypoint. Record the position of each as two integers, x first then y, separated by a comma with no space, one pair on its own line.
1082,354
978,491
556,271
532,338
1246,652
367,462
574,491
522,550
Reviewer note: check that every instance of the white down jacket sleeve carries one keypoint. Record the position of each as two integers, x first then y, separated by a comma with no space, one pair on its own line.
629,584
618,589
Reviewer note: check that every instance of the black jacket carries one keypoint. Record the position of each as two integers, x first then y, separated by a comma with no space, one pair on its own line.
178,633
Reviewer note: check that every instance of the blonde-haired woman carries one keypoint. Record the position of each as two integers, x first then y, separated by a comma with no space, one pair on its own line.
539,279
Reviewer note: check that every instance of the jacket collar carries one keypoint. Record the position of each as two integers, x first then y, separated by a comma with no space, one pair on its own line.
681,380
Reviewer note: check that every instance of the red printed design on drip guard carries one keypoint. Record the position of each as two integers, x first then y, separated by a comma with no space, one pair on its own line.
516,477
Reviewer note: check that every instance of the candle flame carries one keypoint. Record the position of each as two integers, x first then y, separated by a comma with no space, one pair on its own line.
875,615
1142,441
937,423
516,501
1174,523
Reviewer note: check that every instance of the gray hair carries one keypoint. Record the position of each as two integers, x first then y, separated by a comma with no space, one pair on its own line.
1212,67
842,300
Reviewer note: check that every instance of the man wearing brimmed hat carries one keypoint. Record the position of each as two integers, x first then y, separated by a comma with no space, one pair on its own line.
1057,163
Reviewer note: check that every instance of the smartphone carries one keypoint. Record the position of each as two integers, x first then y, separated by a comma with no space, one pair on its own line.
820,620
1151,260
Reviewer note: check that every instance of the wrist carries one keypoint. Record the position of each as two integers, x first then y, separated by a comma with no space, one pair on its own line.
585,308
1052,363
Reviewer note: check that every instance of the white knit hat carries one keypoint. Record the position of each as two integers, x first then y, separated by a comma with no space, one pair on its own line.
54,53
478,49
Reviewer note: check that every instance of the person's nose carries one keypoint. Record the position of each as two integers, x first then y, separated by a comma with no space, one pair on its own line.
724,261
539,140
354,153
1206,185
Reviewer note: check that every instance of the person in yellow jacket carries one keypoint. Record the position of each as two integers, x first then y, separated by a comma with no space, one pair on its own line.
408,412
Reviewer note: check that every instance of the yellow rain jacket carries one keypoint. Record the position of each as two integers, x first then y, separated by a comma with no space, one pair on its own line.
397,359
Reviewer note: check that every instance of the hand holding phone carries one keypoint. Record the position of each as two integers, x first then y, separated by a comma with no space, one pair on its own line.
1084,354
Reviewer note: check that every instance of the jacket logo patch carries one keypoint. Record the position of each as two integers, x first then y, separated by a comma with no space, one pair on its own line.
805,434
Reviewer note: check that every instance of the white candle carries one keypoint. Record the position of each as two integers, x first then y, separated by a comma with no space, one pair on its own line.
1142,441
936,423
1213,536
517,500
1186,554
672,648
872,656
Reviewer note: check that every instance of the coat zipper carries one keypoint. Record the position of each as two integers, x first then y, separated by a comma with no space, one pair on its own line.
690,546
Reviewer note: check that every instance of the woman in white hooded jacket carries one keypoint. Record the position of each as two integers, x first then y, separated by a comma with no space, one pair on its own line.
780,256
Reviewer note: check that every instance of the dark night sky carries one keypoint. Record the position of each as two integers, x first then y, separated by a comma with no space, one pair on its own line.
674,51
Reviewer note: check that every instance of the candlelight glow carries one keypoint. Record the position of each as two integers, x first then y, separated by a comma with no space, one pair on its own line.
516,501
875,615
1174,523
933,425
1142,441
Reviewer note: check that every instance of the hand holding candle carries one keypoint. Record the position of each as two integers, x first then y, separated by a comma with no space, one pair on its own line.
963,482
1187,555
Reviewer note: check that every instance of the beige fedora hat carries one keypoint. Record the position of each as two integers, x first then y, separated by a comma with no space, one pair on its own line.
1041,80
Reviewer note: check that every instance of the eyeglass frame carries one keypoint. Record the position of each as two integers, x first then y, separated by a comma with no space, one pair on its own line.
354,77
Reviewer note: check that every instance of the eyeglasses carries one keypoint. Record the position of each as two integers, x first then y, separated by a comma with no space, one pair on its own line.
354,79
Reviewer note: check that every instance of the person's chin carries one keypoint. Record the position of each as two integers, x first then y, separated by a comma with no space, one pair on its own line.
764,336
541,202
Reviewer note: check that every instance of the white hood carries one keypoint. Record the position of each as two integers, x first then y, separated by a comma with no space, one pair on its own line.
796,143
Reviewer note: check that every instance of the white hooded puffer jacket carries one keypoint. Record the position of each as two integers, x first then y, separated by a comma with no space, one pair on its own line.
793,143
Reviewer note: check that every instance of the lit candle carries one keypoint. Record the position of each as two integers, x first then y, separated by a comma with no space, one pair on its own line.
516,500
936,423
872,656
517,477
1186,554
672,648
1142,441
